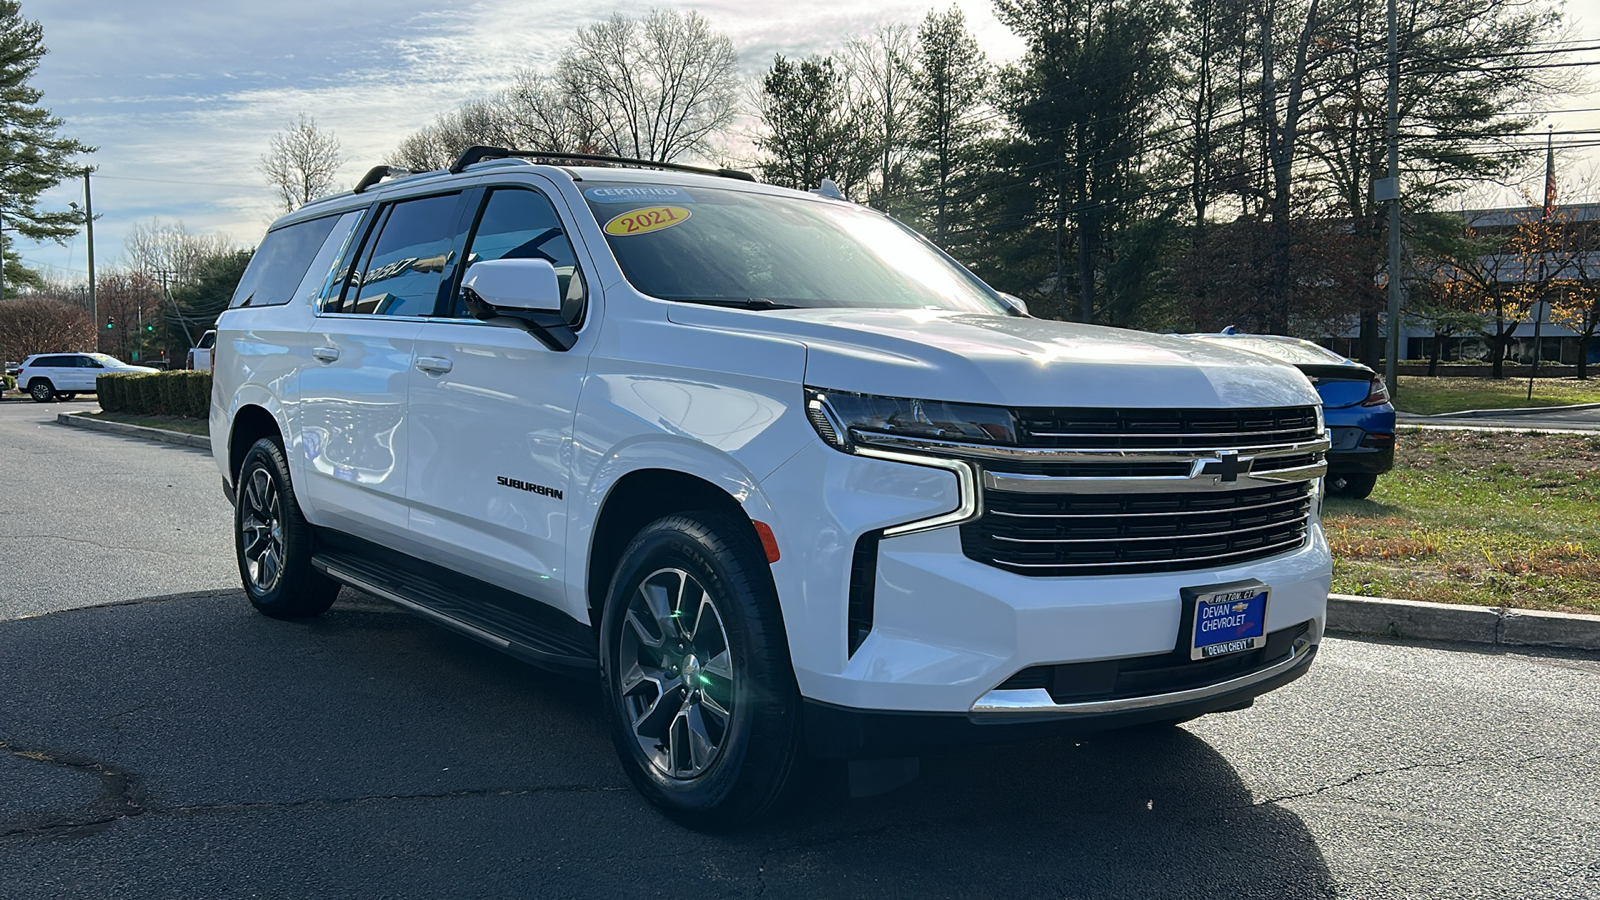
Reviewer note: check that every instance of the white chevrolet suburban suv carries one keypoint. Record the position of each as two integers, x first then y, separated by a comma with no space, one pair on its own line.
788,478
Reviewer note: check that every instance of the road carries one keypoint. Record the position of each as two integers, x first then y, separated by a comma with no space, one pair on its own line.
1556,419
183,746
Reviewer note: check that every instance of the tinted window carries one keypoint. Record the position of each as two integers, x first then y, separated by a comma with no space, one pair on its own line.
407,262
521,224
281,262
701,243
53,362
85,362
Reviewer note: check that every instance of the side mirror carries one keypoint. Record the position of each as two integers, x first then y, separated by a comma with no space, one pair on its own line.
1014,302
519,293
515,284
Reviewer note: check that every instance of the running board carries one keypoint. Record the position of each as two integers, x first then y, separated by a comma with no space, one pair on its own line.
509,622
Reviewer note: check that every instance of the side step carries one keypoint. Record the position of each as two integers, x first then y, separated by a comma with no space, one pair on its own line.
518,625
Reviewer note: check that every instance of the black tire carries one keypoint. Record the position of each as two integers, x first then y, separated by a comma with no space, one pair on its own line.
752,767
70,395
41,390
272,540
1355,486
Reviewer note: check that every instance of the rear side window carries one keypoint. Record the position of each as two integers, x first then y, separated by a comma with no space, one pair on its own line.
407,262
53,362
280,263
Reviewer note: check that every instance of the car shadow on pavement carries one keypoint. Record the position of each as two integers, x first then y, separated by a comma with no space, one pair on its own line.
370,748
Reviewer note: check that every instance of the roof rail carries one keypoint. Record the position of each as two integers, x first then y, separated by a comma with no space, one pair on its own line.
473,155
377,174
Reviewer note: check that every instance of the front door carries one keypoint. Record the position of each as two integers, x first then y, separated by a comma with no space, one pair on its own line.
492,413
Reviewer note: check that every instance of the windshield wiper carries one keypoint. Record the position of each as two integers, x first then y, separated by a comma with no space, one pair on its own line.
735,302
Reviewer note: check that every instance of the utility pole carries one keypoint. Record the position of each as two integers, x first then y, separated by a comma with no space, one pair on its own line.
3,258
88,221
1393,355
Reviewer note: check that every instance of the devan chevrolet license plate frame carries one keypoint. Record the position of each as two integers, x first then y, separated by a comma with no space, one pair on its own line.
1228,619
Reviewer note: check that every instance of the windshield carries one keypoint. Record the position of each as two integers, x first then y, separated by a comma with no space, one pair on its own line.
109,361
710,245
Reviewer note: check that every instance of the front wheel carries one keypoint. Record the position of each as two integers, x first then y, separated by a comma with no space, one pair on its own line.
272,540
694,662
1355,486
41,391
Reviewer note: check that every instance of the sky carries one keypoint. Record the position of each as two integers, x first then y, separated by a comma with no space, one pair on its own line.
183,96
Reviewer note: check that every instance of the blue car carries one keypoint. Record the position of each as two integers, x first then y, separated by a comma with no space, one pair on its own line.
1355,405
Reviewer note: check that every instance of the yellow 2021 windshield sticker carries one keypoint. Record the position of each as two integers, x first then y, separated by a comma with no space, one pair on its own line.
646,220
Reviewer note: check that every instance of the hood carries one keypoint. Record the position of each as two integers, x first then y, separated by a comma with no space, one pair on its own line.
139,369
1015,361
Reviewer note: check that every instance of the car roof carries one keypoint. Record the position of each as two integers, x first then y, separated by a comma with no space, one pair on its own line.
582,175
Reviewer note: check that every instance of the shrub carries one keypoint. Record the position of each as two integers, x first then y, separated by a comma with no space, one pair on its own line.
186,394
7,383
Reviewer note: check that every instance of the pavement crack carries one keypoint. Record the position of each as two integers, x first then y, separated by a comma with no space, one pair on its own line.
337,802
122,795
93,543
1447,764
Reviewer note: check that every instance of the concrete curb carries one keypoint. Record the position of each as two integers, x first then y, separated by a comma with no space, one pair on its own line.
1493,625
81,420
1496,413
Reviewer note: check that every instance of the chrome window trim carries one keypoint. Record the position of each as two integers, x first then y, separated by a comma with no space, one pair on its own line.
1000,704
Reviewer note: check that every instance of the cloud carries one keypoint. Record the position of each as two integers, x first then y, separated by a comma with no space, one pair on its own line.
183,96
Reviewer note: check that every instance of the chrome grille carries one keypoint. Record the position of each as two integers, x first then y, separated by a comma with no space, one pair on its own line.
1104,534
1141,429
1110,491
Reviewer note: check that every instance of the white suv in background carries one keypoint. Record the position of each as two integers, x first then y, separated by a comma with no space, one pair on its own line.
788,478
48,376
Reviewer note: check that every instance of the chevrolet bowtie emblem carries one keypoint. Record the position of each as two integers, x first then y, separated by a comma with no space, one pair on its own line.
1227,466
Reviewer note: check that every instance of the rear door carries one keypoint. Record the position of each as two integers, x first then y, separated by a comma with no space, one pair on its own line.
352,412
492,412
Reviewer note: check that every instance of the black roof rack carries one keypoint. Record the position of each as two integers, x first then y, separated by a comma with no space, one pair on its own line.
473,155
377,174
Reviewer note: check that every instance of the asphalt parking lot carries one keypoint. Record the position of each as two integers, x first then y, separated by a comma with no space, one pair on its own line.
159,739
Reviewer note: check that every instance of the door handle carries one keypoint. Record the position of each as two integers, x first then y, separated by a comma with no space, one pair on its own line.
433,365
326,354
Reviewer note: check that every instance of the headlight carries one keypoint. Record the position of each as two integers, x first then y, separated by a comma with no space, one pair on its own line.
836,415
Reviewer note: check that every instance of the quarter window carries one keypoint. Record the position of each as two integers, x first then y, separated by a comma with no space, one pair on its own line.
280,263
408,260
519,223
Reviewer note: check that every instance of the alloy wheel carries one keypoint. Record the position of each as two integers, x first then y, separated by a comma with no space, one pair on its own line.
676,674
261,527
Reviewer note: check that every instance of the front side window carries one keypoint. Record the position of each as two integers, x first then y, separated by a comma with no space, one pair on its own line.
407,261
519,223
716,245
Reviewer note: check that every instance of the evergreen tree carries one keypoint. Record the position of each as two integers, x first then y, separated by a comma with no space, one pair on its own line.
813,127
34,157
949,84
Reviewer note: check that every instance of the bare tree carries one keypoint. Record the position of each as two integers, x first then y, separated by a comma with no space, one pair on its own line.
29,326
170,253
653,88
879,68
302,162
538,115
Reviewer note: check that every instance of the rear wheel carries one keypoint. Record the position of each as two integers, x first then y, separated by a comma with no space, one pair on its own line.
41,390
699,689
1355,486
272,540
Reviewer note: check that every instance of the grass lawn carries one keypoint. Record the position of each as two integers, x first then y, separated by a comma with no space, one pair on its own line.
169,423
1427,396
1494,519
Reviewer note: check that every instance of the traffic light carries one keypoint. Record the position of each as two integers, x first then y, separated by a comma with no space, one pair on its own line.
111,322
150,327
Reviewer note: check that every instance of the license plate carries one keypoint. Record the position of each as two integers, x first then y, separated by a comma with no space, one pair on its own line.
1230,618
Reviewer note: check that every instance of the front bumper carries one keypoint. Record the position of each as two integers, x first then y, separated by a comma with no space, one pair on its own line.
947,631
836,732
